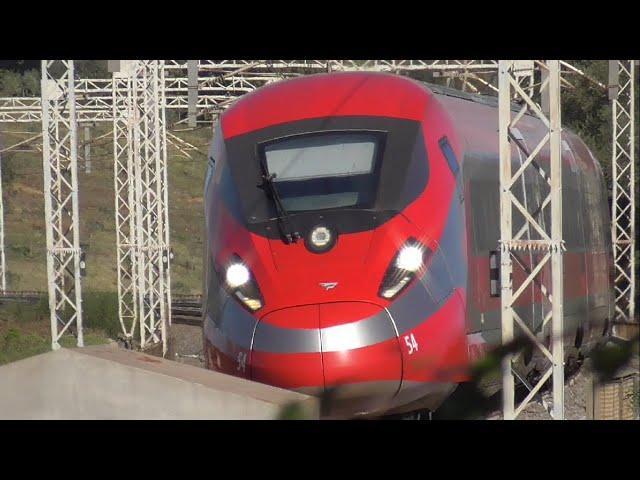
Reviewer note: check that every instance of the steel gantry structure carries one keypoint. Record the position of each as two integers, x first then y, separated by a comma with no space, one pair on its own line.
542,242
218,83
151,208
3,278
59,154
208,86
125,197
141,200
622,84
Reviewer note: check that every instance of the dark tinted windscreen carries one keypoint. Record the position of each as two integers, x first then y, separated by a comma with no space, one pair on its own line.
325,170
347,169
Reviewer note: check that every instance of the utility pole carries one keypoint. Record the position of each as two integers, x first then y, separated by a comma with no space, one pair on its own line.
124,185
192,92
87,149
149,154
546,247
163,166
3,265
142,213
60,165
622,84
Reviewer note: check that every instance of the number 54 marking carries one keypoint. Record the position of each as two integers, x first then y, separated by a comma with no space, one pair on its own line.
411,343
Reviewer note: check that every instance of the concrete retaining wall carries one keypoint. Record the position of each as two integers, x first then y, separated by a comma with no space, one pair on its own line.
109,383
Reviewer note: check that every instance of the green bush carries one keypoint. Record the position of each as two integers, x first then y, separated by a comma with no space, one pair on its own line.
21,250
100,312
42,308
10,83
25,312
15,345
12,278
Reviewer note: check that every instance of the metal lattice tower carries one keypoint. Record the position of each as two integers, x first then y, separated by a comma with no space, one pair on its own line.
149,141
164,190
142,215
59,153
545,247
623,208
3,279
124,185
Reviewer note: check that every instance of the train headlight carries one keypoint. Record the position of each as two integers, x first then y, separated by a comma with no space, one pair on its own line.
404,267
410,258
321,239
237,275
240,283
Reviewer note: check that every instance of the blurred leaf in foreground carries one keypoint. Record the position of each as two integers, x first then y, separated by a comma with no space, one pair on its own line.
292,411
608,358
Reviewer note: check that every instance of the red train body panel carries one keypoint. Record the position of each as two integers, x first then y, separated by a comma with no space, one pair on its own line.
349,223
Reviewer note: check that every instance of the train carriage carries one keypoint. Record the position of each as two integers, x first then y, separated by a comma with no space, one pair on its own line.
351,228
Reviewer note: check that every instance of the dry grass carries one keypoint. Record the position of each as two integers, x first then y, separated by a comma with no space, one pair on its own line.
25,331
24,214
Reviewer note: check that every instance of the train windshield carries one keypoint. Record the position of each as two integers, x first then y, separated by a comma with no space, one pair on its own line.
325,170
347,169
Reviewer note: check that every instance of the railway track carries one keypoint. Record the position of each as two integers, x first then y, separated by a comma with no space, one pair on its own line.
185,309
186,312
30,296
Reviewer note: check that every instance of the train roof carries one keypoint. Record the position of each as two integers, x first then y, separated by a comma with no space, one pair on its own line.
488,100
391,91
326,95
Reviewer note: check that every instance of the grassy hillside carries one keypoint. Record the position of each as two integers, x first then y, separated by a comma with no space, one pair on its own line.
25,241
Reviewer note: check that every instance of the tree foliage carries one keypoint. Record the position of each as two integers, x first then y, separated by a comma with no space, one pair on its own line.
19,84
19,81
587,111
10,83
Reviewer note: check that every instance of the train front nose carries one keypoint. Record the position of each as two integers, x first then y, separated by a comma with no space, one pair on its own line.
348,348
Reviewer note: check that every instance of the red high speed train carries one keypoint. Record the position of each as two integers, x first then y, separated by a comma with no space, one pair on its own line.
351,220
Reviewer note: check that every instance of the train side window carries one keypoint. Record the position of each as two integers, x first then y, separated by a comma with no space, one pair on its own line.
445,146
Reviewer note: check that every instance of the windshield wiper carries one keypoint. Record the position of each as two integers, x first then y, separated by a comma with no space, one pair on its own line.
282,216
